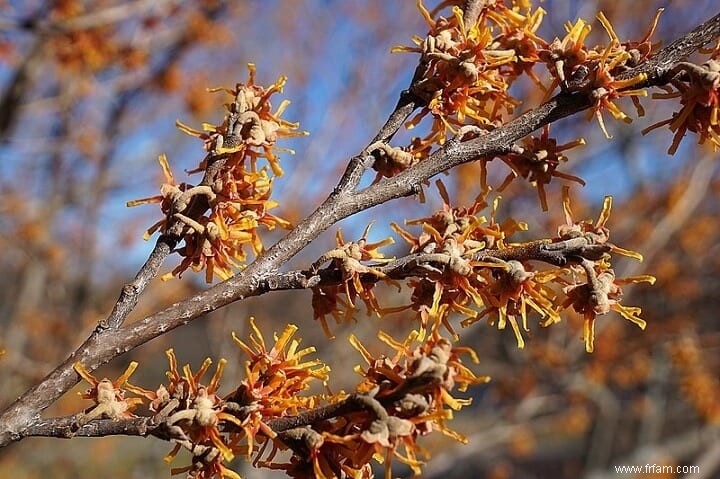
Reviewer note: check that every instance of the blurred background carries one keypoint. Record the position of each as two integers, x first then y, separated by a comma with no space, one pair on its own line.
89,93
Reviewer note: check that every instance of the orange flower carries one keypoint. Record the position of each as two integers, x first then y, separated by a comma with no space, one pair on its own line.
512,289
699,93
573,65
455,234
250,129
462,77
200,413
235,191
409,392
601,292
108,396
605,88
348,258
274,380
538,163
565,57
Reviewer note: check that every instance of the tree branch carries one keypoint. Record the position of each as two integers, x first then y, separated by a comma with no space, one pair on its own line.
559,253
67,427
471,12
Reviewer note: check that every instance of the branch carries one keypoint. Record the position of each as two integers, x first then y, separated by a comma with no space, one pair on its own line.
109,339
353,403
67,427
559,253
658,69
471,12
104,345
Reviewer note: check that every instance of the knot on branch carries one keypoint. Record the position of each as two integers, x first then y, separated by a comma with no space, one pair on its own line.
302,440
390,161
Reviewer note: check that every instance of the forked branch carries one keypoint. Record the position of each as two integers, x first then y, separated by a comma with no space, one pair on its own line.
111,338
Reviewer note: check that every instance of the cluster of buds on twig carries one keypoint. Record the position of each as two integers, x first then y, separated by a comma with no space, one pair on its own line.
220,218
348,258
475,283
575,67
468,65
390,161
698,87
538,160
601,291
192,414
399,399
465,264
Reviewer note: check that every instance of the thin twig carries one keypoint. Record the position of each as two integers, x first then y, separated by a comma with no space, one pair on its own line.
472,10
67,427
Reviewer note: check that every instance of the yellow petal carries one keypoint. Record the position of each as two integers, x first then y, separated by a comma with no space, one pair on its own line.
186,129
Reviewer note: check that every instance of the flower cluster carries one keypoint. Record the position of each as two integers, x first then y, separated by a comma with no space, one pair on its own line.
476,280
698,87
399,399
538,161
347,257
468,66
601,292
274,380
466,265
616,58
195,417
575,67
220,218
431,363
